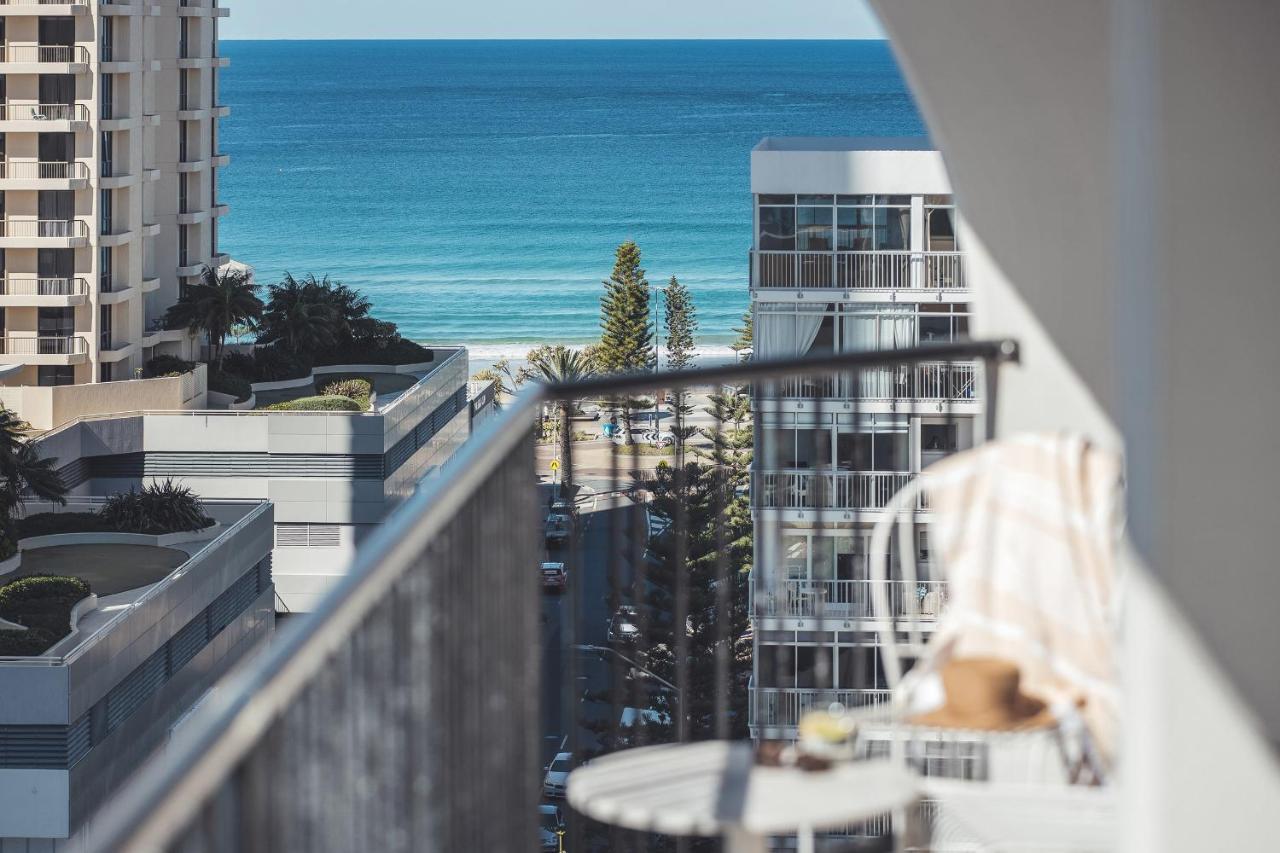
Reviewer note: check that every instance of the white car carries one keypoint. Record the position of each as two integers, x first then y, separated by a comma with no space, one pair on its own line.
557,778
550,826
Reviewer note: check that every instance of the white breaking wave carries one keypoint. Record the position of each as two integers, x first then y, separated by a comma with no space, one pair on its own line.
485,355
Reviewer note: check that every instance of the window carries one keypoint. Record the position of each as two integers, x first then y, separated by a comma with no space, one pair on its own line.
777,229
108,96
813,229
105,271
47,375
943,323
104,317
940,223
939,438
880,223
797,448
182,245
106,39
104,215
874,447
104,371
105,142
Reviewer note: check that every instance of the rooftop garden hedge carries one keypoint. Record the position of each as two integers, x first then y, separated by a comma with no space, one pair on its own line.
155,510
322,403
166,365
43,604
229,383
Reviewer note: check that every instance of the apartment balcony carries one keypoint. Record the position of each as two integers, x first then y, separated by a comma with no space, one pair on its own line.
211,10
37,118
43,59
43,7
858,271
808,492
43,233
43,175
194,62
393,682
774,712
112,290
33,350
128,9
843,600
928,387
18,289
112,348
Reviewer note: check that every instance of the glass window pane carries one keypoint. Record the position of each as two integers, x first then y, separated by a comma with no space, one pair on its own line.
855,229
893,228
778,228
777,199
813,227
795,556
855,199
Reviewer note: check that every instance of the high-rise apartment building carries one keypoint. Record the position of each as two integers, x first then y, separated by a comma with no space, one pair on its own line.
855,248
108,181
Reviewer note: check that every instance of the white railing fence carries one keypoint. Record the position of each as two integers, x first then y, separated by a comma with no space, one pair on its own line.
44,112
43,53
844,599
51,228
43,170
62,345
828,489
860,270
16,284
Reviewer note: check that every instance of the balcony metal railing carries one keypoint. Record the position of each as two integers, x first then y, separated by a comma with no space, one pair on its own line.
17,284
782,707
847,599
827,489
45,2
44,53
934,381
44,228
44,112
414,708
863,270
43,170
59,345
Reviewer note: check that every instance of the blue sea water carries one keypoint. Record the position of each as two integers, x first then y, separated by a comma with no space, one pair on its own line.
476,190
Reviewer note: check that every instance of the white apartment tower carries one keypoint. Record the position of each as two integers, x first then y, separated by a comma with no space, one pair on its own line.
854,248
108,181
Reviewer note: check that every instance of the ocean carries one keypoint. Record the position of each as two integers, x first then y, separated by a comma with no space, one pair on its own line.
476,190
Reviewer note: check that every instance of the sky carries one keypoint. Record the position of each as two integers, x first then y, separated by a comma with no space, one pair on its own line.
424,19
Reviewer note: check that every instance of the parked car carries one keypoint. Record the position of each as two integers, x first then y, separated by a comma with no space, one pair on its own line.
623,627
562,506
550,826
557,778
554,577
558,527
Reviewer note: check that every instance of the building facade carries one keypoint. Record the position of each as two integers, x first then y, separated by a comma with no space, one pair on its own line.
77,720
331,476
108,181
854,249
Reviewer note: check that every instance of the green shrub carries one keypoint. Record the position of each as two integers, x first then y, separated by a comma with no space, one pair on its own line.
51,523
230,383
274,363
359,390
375,351
327,403
166,365
155,510
239,364
8,546
42,603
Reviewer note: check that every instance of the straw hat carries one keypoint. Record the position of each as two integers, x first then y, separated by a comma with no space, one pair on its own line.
982,693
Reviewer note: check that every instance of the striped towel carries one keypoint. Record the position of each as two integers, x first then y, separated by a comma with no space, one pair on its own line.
1027,531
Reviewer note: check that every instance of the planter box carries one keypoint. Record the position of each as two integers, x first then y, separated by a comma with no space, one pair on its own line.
163,540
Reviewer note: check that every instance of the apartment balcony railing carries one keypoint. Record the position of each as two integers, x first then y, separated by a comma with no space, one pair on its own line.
16,284
883,270
782,707
59,345
847,599
927,382
44,228
44,112
825,489
43,170
44,53
392,718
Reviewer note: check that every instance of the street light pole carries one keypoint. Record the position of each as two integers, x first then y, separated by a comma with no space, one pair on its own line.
679,694
657,354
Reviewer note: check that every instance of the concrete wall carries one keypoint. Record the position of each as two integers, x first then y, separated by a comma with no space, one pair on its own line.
850,166
1094,146
50,407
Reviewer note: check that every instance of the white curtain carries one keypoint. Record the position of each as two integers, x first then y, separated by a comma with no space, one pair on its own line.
862,333
786,335
898,327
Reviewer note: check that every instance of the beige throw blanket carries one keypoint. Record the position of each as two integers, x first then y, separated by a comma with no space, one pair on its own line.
1027,532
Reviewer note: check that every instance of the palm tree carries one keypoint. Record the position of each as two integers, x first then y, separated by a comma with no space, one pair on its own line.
300,316
559,364
23,473
215,305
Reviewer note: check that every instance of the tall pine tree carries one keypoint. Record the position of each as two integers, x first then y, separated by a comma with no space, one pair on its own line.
626,342
681,321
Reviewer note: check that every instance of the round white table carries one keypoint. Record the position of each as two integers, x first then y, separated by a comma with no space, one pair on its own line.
715,788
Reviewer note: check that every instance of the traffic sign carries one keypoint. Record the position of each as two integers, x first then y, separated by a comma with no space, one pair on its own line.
555,465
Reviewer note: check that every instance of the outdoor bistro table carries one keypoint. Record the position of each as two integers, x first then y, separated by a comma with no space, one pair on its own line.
715,788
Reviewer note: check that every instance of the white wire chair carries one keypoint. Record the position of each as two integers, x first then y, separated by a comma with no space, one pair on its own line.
999,771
